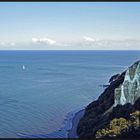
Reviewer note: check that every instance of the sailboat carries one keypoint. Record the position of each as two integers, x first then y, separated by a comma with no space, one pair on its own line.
23,67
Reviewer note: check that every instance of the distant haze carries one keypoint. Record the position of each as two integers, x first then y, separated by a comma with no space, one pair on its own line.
69,26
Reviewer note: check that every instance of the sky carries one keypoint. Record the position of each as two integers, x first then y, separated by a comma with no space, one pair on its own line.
69,25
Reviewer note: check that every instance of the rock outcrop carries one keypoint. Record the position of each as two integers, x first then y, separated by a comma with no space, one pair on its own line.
129,91
120,99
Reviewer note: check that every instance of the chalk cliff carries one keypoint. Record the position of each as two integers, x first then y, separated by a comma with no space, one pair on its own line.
112,113
129,90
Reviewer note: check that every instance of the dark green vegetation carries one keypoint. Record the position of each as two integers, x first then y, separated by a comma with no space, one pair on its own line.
122,127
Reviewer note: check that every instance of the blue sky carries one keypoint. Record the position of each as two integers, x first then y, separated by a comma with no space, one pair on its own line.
70,25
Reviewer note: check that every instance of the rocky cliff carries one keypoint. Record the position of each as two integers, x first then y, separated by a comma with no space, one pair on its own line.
107,116
129,90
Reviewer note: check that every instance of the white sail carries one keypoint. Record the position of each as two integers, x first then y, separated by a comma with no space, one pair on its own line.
23,67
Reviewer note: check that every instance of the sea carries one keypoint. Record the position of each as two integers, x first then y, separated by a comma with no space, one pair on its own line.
41,90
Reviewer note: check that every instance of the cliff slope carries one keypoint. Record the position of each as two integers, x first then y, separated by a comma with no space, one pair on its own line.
116,112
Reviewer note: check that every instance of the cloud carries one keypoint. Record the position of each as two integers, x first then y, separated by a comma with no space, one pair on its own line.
7,44
88,42
12,44
83,43
89,39
125,42
51,42
44,41
2,43
109,42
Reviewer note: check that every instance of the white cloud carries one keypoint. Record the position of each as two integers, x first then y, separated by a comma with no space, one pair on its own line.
35,40
44,41
111,43
7,44
2,43
89,39
12,44
108,44
83,43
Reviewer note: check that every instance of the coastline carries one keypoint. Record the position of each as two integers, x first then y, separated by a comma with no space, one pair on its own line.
72,132
68,129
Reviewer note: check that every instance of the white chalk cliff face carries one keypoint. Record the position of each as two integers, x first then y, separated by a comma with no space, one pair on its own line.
129,91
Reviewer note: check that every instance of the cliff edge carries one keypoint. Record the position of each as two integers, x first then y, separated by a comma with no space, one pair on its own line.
116,112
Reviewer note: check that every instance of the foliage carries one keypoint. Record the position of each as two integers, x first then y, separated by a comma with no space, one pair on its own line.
121,125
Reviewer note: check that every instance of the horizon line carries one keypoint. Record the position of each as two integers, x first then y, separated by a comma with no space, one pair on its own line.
64,50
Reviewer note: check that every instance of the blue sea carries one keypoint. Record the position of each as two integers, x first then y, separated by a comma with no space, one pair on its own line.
40,89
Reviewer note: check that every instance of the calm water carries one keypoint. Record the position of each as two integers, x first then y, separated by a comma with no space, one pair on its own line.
35,100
